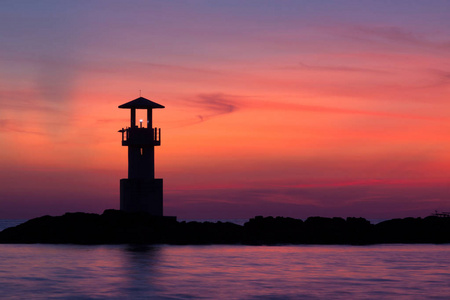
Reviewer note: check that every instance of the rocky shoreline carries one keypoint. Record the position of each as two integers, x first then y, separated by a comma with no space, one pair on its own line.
117,227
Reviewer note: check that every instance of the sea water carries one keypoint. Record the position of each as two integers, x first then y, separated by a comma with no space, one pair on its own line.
224,272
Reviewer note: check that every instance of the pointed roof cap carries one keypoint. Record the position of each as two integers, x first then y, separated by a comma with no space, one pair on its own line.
141,103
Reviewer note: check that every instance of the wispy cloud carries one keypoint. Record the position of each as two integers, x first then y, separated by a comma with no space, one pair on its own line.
441,77
7,125
392,34
336,68
208,106
369,198
132,67
338,110
26,101
215,105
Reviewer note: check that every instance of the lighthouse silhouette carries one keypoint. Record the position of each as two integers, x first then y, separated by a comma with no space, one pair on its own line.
141,191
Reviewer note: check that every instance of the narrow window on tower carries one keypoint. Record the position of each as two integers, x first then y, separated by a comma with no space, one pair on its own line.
142,151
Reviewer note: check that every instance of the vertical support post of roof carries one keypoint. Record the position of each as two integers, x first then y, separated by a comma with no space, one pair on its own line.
149,118
133,117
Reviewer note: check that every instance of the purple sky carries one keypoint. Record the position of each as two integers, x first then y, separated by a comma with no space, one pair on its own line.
291,108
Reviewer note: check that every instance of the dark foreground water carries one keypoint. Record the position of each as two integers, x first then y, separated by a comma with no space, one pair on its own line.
225,272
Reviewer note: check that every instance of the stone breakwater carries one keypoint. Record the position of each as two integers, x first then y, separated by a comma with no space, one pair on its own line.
117,227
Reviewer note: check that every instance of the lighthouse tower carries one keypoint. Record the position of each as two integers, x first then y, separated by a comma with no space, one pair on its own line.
141,191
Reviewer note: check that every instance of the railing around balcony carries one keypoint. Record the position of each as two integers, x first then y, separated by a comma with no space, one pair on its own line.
141,136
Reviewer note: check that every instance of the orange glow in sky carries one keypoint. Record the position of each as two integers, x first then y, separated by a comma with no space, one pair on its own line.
296,110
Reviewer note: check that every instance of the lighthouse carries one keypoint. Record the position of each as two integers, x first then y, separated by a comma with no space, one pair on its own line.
141,191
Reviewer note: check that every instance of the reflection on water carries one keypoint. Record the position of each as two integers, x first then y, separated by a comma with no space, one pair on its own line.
225,272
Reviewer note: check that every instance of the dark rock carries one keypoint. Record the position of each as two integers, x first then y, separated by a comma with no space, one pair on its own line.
118,227
270,230
413,230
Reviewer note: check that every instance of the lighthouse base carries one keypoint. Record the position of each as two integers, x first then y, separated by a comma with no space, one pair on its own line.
142,195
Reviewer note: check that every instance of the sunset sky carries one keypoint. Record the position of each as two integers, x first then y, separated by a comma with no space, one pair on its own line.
283,108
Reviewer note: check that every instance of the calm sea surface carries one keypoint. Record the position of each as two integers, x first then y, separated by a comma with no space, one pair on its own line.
224,272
